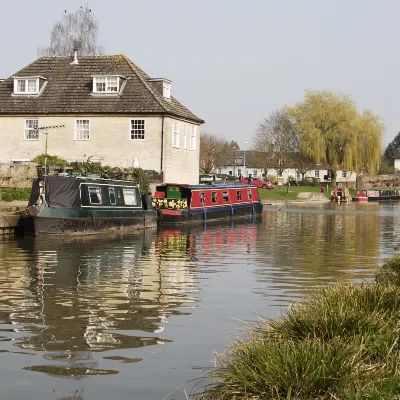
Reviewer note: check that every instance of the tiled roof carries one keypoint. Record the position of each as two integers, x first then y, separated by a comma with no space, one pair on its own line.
69,89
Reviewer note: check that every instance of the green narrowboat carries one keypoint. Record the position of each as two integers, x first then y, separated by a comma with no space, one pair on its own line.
83,205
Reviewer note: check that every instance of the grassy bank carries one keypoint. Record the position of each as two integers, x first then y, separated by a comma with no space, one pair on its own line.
281,193
340,343
11,194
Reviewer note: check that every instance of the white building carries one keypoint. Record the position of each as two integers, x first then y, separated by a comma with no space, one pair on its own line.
103,107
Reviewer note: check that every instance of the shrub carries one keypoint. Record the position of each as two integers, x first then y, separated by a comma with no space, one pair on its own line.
11,194
51,160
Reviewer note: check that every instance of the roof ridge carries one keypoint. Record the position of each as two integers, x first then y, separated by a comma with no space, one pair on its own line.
150,89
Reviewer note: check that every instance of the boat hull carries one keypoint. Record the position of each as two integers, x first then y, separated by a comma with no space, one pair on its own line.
86,222
167,217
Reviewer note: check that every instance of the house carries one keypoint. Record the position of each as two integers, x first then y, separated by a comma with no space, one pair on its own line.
243,165
103,107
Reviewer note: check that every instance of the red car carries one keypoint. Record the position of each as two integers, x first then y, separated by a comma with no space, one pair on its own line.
258,182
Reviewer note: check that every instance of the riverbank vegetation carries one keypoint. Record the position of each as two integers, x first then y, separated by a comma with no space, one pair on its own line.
12,194
340,343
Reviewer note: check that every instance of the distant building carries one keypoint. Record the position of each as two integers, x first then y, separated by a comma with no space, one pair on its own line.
243,166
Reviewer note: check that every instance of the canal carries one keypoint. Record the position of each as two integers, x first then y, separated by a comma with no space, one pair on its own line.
135,316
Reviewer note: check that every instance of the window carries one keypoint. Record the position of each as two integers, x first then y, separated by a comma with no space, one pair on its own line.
175,134
82,129
225,197
111,194
26,86
106,84
95,195
239,194
298,176
254,173
31,129
344,174
249,194
129,197
138,129
219,171
239,171
239,161
185,135
192,130
230,173
202,198
167,89
214,197
316,174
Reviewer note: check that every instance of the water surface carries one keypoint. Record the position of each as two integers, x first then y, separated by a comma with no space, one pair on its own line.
134,316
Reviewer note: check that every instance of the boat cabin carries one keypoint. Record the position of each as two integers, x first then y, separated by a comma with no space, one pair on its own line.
85,193
175,196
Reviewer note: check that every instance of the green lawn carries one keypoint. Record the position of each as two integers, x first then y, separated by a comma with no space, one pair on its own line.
281,193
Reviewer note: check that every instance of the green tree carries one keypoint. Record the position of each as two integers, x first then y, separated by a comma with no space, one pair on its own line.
392,151
234,145
331,130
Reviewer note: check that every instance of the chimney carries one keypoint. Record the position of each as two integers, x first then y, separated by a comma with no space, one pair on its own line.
75,57
77,51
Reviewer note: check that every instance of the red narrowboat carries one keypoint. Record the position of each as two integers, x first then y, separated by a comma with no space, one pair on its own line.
177,204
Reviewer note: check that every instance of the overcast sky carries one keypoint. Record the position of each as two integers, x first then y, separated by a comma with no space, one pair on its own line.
232,62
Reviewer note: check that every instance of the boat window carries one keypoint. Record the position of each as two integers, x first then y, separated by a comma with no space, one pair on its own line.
202,198
111,193
249,194
214,197
239,194
225,196
129,197
94,195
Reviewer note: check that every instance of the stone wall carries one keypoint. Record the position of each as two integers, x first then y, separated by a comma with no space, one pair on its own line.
17,176
378,181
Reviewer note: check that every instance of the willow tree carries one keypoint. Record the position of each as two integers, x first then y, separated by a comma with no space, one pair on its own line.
80,29
331,130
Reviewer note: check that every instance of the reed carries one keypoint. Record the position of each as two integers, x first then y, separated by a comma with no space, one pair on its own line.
340,343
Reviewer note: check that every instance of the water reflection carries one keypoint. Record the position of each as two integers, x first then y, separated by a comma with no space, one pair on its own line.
70,298
128,308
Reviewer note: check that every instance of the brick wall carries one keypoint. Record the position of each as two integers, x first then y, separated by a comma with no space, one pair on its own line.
378,181
18,176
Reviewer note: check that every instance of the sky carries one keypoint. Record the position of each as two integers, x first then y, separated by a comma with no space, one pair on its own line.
232,62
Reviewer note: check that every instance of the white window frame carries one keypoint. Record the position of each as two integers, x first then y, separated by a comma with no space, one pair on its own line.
316,173
112,190
185,136
255,173
130,198
175,134
107,86
26,90
99,195
28,130
192,130
166,89
137,129
344,174
82,129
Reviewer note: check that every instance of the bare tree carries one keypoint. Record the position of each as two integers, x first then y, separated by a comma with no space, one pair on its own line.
275,142
214,152
76,28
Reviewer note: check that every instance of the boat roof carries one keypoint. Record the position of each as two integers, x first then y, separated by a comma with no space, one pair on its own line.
94,180
210,187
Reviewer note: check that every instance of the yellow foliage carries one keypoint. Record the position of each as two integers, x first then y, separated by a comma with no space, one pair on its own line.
333,131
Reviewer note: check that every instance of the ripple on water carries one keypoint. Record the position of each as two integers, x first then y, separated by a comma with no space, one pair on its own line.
102,305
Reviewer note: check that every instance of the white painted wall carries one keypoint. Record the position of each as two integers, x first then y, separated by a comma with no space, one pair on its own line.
109,143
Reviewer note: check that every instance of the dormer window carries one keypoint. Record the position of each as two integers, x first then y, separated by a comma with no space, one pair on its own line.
26,85
106,84
162,86
166,89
